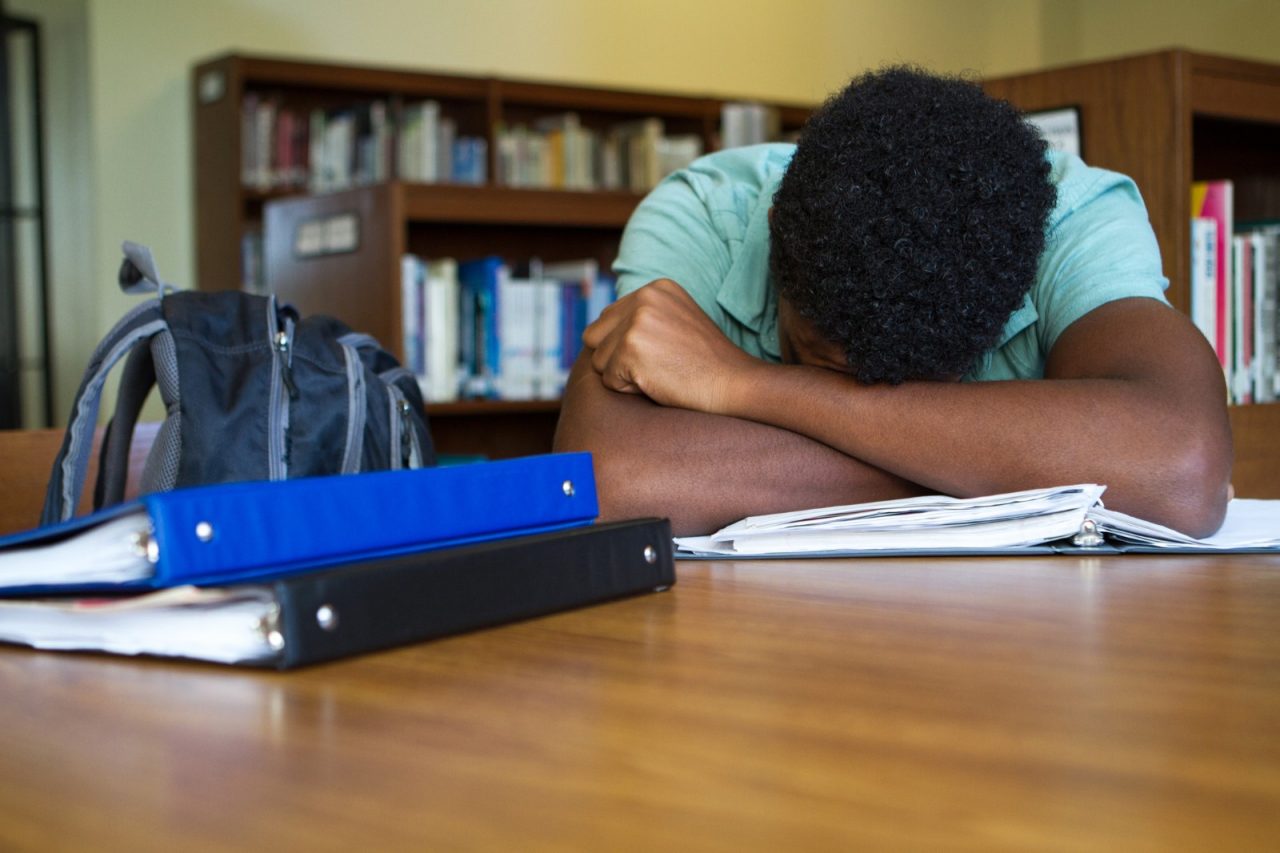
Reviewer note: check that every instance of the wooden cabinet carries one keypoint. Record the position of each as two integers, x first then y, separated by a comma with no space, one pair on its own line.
361,283
1167,119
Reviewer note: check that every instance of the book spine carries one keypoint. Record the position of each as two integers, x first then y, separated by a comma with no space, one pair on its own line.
1204,239
414,597
1213,199
1243,367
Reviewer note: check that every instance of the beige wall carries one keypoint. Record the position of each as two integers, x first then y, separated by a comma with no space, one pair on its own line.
1099,29
126,64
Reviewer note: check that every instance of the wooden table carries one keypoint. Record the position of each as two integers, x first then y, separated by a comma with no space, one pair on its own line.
1056,703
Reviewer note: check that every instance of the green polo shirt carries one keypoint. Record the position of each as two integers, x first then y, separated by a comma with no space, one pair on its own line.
707,228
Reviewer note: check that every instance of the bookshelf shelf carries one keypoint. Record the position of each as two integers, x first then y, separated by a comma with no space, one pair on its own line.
511,206
1167,119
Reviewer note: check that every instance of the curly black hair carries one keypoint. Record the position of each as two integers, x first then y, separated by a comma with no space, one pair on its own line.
910,222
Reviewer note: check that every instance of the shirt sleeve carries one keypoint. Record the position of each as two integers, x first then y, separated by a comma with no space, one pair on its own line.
672,234
1100,248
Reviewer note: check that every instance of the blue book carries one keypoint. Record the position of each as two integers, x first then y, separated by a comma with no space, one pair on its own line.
251,530
481,310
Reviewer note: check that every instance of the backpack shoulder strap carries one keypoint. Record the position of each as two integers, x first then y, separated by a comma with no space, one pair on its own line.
136,379
66,481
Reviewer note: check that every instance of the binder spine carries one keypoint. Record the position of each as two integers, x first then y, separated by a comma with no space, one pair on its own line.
243,531
421,596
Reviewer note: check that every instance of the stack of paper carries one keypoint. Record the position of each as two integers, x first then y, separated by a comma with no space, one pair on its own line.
929,523
1249,524
1063,519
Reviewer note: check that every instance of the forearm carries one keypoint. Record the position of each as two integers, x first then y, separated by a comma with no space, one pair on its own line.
983,438
701,470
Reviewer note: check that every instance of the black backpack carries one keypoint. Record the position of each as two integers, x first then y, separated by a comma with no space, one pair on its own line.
250,390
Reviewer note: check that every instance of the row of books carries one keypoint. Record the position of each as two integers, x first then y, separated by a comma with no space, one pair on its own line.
320,150
1235,279
559,152
429,149
311,569
482,329
323,150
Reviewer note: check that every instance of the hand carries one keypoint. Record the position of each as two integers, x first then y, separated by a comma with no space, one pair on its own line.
658,342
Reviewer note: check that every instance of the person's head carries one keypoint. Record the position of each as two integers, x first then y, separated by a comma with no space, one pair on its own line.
910,222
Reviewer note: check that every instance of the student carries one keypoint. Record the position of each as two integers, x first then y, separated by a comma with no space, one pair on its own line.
915,298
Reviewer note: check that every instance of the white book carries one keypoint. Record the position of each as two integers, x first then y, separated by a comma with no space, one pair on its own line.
1241,379
406,165
1266,315
412,314
317,164
428,139
264,125
517,326
443,293
1204,276
447,132
676,152
551,376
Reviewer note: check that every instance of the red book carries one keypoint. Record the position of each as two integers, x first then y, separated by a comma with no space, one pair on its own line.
1213,199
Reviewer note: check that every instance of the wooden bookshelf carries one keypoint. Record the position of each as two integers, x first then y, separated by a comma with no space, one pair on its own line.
1167,119
362,286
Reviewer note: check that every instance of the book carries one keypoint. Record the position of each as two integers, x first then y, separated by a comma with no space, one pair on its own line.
429,316
1204,277
441,336
238,531
1242,320
1213,200
482,282
360,606
413,316
748,123
1266,277
1053,520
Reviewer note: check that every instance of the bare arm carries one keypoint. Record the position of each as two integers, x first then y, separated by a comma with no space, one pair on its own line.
703,471
1133,399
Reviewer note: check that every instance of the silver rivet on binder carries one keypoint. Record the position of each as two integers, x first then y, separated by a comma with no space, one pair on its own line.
204,531
650,554
145,545
1088,537
269,626
568,488
327,617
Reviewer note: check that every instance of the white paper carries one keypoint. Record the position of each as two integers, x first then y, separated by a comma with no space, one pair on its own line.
932,522
1250,523
222,625
113,551
938,523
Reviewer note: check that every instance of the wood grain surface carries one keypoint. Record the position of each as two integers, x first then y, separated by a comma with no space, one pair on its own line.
1056,703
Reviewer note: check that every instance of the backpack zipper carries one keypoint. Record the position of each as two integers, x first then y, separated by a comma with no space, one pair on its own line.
283,344
283,389
403,434
407,442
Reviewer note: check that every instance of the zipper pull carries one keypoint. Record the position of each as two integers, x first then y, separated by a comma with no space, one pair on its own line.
407,435
286,370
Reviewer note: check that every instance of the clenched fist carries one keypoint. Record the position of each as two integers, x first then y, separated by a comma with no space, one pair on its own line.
656,341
